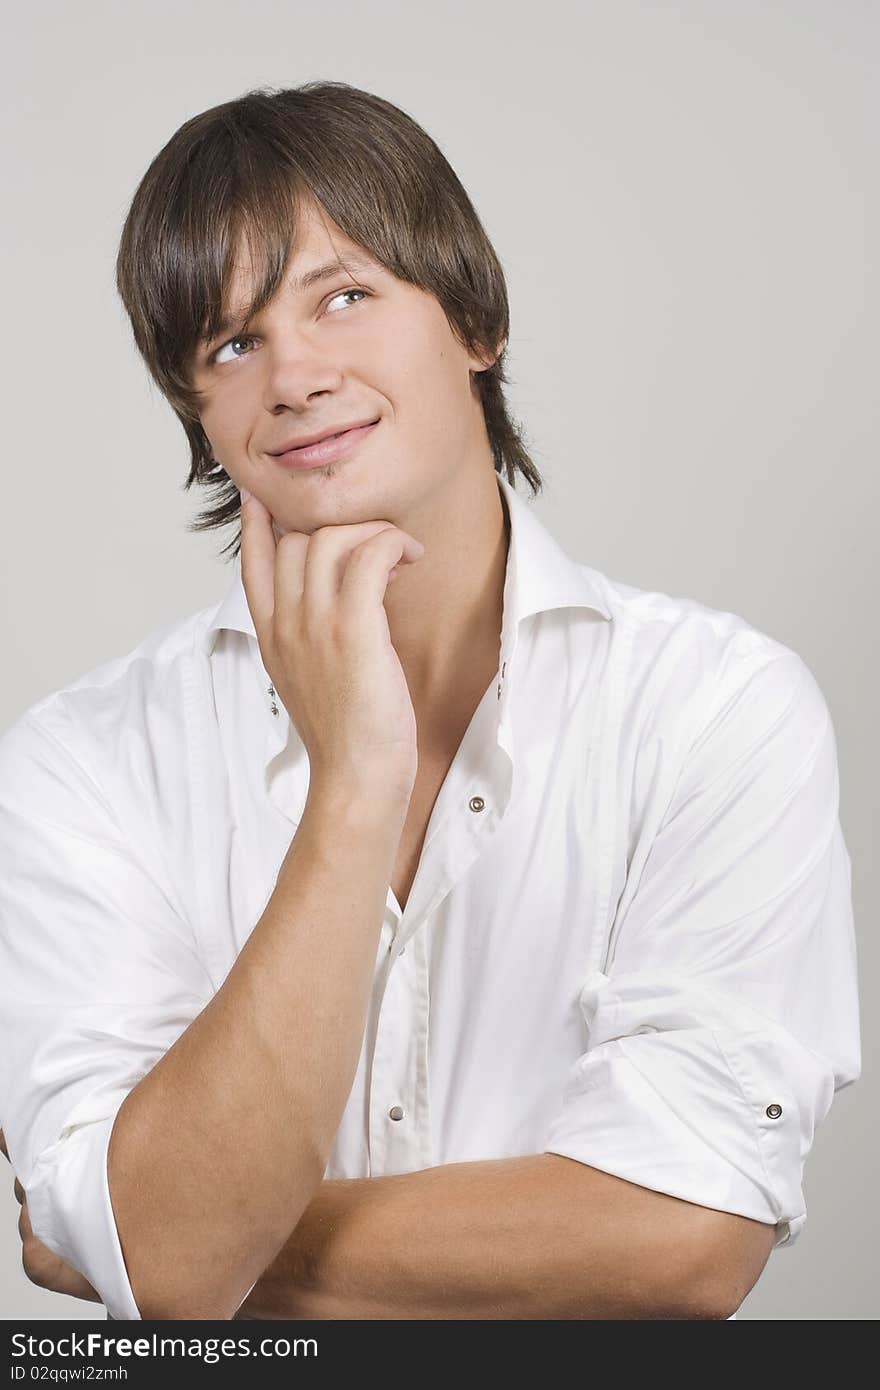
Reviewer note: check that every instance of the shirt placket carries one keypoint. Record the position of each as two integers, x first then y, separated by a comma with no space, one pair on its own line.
468,812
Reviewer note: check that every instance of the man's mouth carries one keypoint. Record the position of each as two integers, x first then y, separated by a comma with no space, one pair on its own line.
326,449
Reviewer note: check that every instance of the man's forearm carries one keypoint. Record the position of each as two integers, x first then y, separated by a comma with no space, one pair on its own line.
230,1132
535,1237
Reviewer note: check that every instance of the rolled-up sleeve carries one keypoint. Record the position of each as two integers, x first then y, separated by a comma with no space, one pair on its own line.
726,1016
99,976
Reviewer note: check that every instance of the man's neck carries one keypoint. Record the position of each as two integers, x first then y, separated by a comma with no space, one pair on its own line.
445,611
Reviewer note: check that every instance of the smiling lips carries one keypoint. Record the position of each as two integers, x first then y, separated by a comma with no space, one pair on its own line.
320,437
324,448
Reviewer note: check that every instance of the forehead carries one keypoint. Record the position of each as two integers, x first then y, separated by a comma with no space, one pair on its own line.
317,242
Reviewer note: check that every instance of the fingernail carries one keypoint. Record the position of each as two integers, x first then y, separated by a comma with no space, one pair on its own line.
244,495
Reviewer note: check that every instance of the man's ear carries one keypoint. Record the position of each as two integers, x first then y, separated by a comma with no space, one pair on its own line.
484,360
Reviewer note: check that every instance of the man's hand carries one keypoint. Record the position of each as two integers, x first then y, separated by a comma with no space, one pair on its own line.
317,602
39,1263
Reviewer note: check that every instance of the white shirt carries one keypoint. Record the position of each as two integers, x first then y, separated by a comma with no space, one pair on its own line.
629,940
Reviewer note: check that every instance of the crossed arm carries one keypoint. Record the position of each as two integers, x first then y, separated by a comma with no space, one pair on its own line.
541,1236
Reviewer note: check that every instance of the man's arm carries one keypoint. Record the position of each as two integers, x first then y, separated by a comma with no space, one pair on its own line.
541,1236
229,1133
215,1153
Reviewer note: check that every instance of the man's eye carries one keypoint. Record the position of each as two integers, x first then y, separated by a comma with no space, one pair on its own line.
231,343
341,293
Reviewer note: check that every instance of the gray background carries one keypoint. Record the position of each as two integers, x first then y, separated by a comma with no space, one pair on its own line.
683,197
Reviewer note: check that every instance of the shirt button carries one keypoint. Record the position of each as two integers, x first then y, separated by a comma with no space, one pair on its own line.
476,803
773,1111
401,951
397,1112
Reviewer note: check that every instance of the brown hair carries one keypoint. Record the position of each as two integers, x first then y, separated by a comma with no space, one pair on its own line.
239,170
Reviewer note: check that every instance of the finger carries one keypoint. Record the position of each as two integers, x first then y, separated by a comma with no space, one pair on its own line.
258,564
369,565
329,554
329,551
290,566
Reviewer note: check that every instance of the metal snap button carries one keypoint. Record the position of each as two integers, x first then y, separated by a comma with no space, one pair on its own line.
476,803
397,1112
773,1112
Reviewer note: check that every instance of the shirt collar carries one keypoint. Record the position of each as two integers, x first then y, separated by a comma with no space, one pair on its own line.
540,576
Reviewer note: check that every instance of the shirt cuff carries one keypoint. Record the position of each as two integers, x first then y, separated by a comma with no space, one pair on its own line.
722,1117
71,1213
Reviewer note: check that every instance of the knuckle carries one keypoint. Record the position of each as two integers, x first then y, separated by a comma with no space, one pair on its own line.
291,541
381,537
322,538
374,545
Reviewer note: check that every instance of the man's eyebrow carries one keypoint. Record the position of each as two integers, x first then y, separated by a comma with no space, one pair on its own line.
331,268
301,283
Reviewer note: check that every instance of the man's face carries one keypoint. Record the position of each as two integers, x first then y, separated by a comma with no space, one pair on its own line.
353,347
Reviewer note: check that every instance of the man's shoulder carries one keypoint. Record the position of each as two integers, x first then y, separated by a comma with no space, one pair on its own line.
135,700
658,613
685,657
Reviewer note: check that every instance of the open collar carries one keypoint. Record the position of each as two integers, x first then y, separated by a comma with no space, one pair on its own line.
540,576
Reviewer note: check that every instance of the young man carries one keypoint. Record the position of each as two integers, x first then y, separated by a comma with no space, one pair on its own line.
434,927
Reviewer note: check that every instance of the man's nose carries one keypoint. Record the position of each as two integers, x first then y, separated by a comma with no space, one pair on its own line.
295,372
